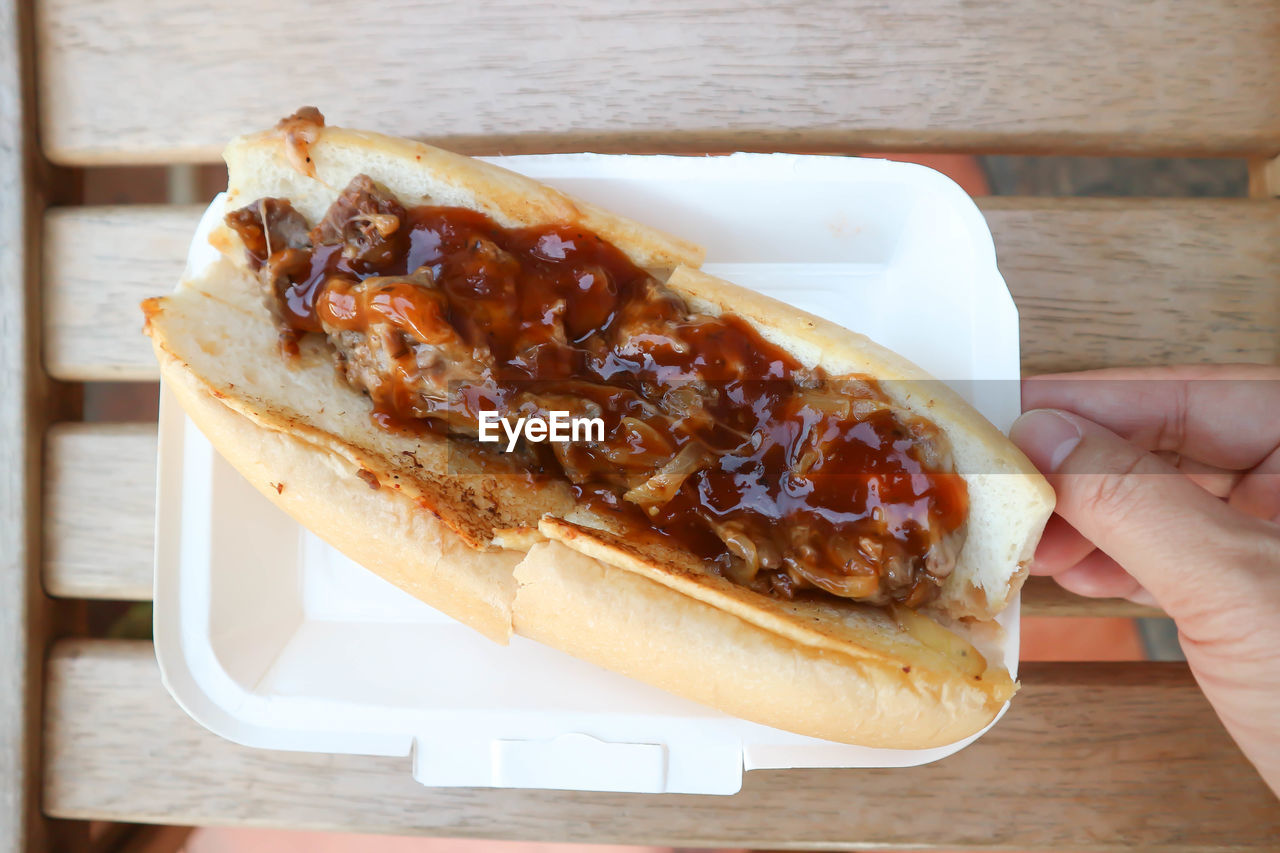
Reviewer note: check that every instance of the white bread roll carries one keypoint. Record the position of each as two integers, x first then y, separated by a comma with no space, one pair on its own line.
465,534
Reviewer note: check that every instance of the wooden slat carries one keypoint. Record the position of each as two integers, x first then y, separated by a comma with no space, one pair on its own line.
1043,597
100,502
1264,177
27,617
1053,75
18,522
99,263
1090,757
99,510
1098,282
1106,282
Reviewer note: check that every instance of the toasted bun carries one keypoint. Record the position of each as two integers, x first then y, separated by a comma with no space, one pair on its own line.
468,534
318,487
259,166
887,691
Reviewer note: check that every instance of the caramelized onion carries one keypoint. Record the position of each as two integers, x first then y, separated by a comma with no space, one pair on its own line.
301,130
668,479
940,561
385,224
839,405
864,586
636,445
746,565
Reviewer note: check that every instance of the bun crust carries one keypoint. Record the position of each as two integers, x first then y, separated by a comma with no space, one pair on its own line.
644,630
258,166
384,530
478,540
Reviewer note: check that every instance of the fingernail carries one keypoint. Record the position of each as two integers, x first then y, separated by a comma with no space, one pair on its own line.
1047,437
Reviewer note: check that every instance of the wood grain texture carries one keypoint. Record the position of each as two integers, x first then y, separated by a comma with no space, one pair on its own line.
17,519
1264,177
25,617
99,263
100,510
1090,757
100,482
1098,282
1042,596
1185,76
1110,282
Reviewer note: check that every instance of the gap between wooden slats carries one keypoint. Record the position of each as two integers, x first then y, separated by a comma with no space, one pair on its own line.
670,75
1098,282
100,511
1089,757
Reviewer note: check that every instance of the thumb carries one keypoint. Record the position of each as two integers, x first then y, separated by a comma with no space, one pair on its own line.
1175,538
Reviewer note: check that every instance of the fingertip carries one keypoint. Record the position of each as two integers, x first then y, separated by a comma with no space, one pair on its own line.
1047,436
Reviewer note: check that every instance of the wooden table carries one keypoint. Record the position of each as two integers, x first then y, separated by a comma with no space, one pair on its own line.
1092,756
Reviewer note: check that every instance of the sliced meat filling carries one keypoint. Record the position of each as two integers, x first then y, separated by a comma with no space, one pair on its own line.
778,476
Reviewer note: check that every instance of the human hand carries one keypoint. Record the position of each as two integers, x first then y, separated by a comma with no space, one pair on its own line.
1168,483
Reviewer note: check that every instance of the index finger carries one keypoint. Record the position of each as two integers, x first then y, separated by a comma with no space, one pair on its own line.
1223,415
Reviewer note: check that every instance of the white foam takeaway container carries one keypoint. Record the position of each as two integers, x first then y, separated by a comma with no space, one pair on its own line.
270,638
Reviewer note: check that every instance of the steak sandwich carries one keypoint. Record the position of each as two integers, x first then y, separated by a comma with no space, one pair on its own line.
774,515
